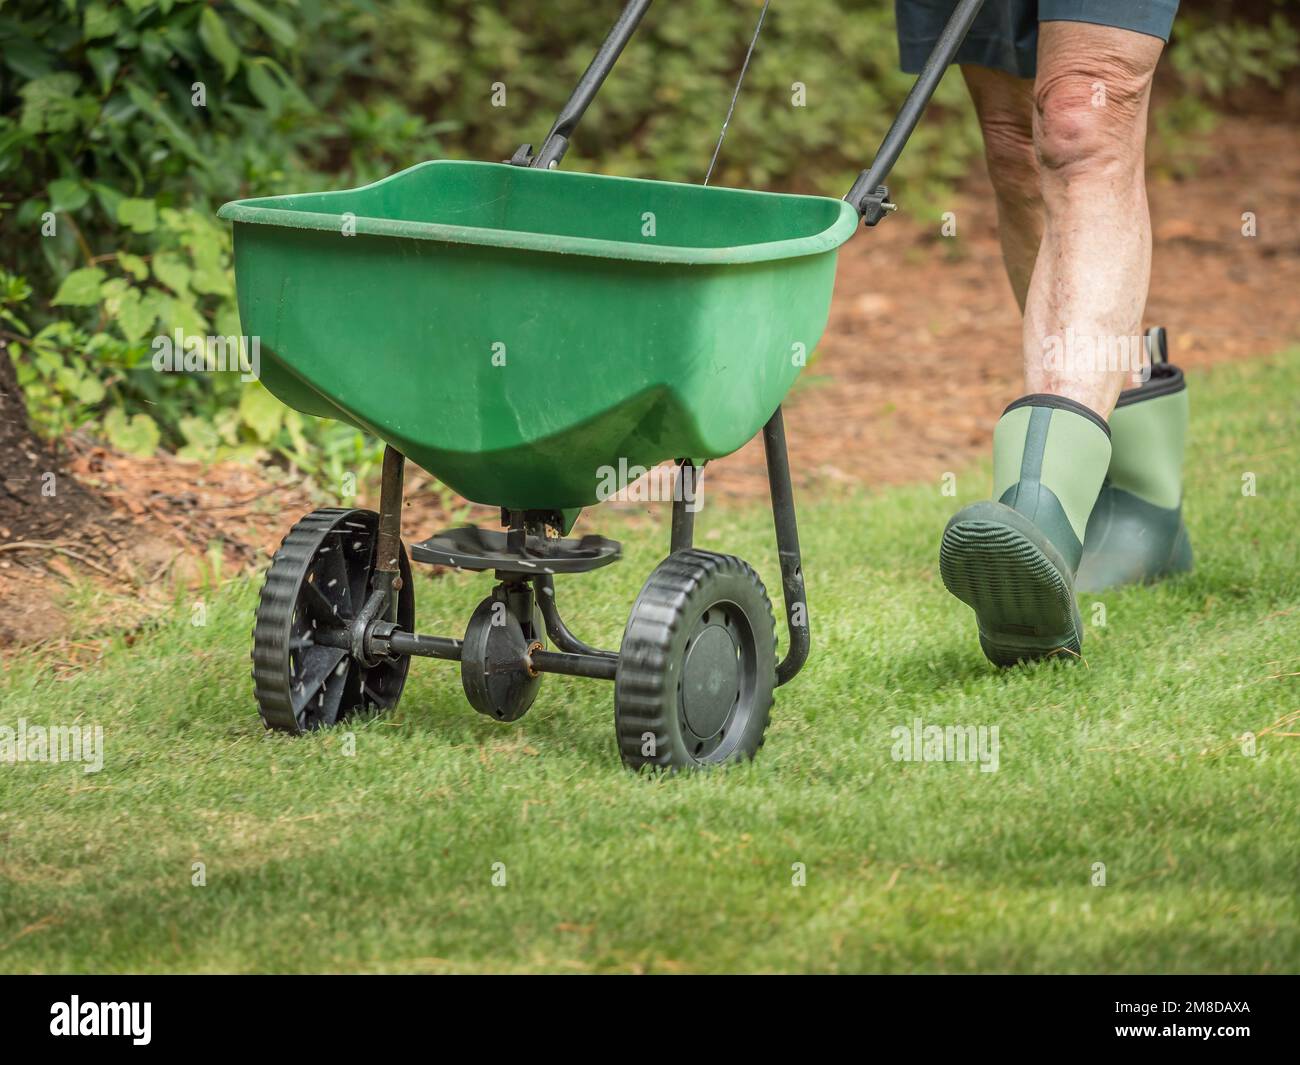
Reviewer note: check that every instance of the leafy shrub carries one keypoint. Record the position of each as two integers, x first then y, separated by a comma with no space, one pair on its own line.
122,128
1213,57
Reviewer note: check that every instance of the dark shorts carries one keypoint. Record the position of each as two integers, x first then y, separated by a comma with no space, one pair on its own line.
1004,35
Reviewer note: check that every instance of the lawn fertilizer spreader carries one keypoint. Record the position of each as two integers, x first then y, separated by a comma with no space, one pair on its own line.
511,329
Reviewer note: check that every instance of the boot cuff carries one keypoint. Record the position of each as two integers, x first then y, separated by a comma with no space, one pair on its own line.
1046,399
1165,380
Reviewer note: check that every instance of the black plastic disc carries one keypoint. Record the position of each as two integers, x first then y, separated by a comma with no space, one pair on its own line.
493,672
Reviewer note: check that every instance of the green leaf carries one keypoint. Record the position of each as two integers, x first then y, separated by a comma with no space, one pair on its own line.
100,21
134,316
263,85
67,194
157,304
199,431
27,59
182,140
226,422
133,265
108,198
80,288
48,361
210,281
216,39
139,435
207,244
105,63
174,220
201,437
272,25
140,215
89,390
178,314
51,104
170,269
226,321
111,291
260,411
244,453
60,251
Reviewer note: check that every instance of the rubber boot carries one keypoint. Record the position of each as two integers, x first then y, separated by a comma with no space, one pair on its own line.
1012,559
1136,531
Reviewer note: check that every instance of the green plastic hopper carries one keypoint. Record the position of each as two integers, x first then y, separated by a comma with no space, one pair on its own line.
517,332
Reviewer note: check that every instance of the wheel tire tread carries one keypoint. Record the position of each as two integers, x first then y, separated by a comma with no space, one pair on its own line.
645,662
276,603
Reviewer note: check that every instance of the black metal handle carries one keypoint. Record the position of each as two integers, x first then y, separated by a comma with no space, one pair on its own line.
557,141
787,549
869,195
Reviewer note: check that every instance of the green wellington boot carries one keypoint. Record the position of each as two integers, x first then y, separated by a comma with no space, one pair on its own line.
1012,559
1136,531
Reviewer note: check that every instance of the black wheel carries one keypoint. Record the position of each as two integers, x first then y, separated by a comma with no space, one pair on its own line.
697,665
318,582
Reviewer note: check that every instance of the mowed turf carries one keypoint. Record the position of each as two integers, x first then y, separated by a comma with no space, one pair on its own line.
384,859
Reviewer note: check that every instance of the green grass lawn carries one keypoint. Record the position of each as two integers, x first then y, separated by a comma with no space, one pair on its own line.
383,859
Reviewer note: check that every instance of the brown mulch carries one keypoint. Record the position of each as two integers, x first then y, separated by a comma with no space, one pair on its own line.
38,499
921,353
141,528
149,526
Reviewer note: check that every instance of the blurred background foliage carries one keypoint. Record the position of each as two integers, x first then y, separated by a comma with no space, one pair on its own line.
124,124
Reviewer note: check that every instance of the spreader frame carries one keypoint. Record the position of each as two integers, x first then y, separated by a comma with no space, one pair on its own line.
373,636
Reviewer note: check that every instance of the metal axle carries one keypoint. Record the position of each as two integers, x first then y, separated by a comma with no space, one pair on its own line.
598,667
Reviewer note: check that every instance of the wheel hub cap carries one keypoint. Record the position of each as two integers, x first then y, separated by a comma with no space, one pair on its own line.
710,680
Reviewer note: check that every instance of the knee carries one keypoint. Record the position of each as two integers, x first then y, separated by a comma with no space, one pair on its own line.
1091,120
1013,165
